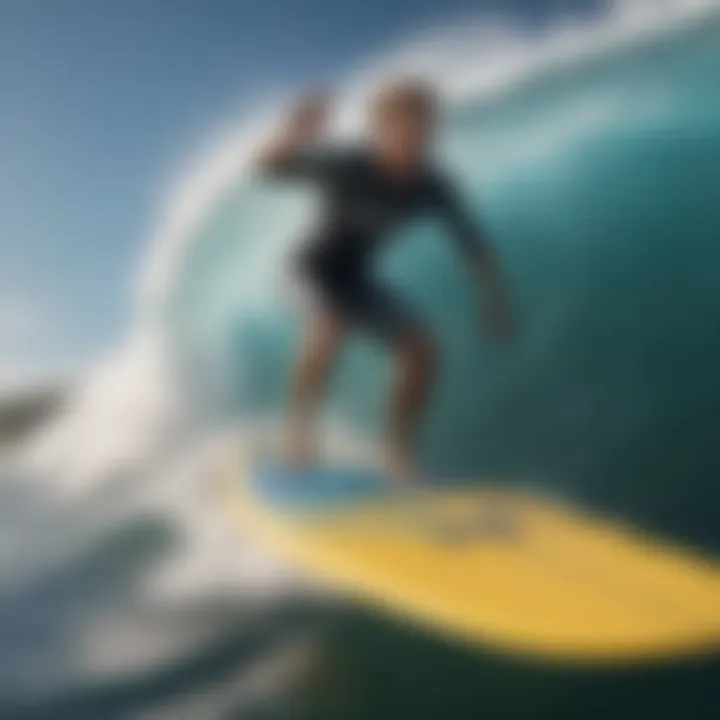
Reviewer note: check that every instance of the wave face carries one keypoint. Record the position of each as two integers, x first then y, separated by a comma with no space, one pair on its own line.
598,183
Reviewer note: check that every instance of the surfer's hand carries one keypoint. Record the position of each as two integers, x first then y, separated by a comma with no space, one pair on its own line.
308,118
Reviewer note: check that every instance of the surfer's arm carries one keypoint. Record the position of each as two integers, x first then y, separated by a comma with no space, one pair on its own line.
471,239
290,151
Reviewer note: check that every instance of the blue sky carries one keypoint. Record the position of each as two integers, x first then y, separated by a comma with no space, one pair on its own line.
102,100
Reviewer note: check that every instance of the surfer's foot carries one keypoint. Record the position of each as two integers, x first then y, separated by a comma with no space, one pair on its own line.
400,466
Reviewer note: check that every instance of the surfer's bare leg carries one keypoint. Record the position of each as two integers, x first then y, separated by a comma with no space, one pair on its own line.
417,361
311,374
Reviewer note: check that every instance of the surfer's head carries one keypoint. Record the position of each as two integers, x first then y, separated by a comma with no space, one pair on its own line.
404,119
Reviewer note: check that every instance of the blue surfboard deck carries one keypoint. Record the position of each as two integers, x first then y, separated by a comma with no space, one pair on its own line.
321,488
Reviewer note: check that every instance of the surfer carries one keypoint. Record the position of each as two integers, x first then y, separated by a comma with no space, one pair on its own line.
368,191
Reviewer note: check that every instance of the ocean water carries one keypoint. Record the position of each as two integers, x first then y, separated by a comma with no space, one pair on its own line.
123,594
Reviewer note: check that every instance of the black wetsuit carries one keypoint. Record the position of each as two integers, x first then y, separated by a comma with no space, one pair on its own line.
362,206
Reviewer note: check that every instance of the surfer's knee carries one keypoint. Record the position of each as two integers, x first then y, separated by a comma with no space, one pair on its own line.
420,350
316,360
325,338
328,331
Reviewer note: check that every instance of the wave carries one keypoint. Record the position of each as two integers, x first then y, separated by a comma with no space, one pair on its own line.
133,444
129,402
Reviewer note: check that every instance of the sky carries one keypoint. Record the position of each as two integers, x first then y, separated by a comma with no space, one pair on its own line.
101,103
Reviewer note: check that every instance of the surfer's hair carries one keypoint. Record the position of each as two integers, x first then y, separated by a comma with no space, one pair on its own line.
407,94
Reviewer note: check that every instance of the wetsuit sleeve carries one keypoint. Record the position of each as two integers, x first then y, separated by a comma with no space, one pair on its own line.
466,231
314,164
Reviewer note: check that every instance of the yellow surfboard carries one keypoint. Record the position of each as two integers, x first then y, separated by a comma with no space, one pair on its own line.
484,564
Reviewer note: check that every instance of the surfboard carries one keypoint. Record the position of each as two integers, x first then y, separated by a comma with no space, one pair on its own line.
484,564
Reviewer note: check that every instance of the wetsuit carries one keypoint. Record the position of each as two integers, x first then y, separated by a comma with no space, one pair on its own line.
361,208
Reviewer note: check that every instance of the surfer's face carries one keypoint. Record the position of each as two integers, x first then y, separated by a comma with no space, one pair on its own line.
405,120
